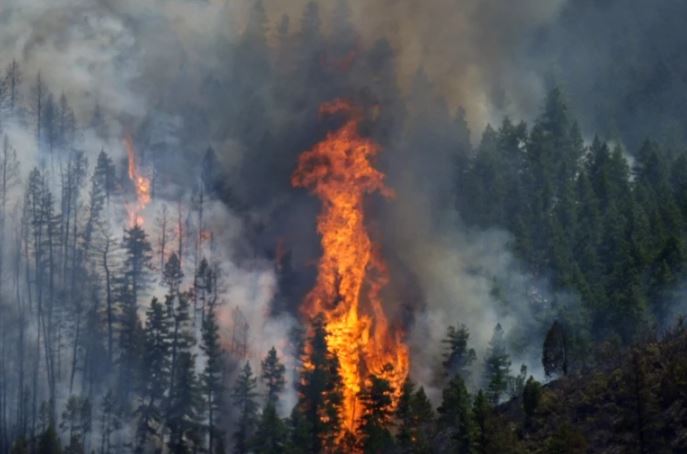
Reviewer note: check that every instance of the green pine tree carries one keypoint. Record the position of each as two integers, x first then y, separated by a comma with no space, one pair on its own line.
458,358
497,366
376,399
212,384
271,433
244,397
273,375
455,415
320,391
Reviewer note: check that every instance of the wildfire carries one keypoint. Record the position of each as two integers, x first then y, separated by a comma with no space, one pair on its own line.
351,272
141,184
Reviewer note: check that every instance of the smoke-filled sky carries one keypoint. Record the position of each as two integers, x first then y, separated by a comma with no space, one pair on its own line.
166,71
126,54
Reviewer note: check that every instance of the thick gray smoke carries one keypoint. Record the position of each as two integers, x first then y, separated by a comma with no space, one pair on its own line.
470,49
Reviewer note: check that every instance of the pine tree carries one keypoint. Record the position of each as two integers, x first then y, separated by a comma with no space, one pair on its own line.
320,391
101,186
185,407
212,378
137,262
516,385
555,351
132,283
273,376
270,436
299,433
130,346
405,418
376,399
178,311
205,287
244,397
415,419
172,275
455,415
155,375
76,423
530,398
497,366
49,442
458,357
49,123
481,412
109,421
642,414
13,80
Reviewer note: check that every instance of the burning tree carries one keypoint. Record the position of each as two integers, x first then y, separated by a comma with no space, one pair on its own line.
141,185
351,273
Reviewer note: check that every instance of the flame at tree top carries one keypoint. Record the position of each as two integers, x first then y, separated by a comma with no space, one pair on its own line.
141,184
351,272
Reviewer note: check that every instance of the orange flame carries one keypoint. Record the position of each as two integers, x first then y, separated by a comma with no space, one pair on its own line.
141,184
351,272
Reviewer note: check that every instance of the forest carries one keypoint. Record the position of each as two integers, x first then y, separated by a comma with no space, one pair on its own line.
280,240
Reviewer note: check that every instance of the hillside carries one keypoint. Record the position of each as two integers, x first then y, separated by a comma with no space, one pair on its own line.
634,401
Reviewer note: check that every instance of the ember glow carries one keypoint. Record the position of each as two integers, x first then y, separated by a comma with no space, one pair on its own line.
141,184
351,272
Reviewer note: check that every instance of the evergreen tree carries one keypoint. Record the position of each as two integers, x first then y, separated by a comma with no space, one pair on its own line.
530,398
481,412
244,396
155,375
415,420
497,366
101,182
374,434
172,275
49,442
76,423
137,263
178,311
130,346
458,357
299,433
109,421
455,415
516,384
641,412
555,351
185,407
273,375
12,82
212,378
270,436
405,418
320,391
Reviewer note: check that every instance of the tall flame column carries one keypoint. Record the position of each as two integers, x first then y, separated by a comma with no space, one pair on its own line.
351,273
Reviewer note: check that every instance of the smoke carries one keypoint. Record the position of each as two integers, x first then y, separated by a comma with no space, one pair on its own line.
472,50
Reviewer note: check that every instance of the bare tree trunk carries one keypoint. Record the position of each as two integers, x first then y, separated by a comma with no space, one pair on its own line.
50,359
180,230
163,238
108,291
75,348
